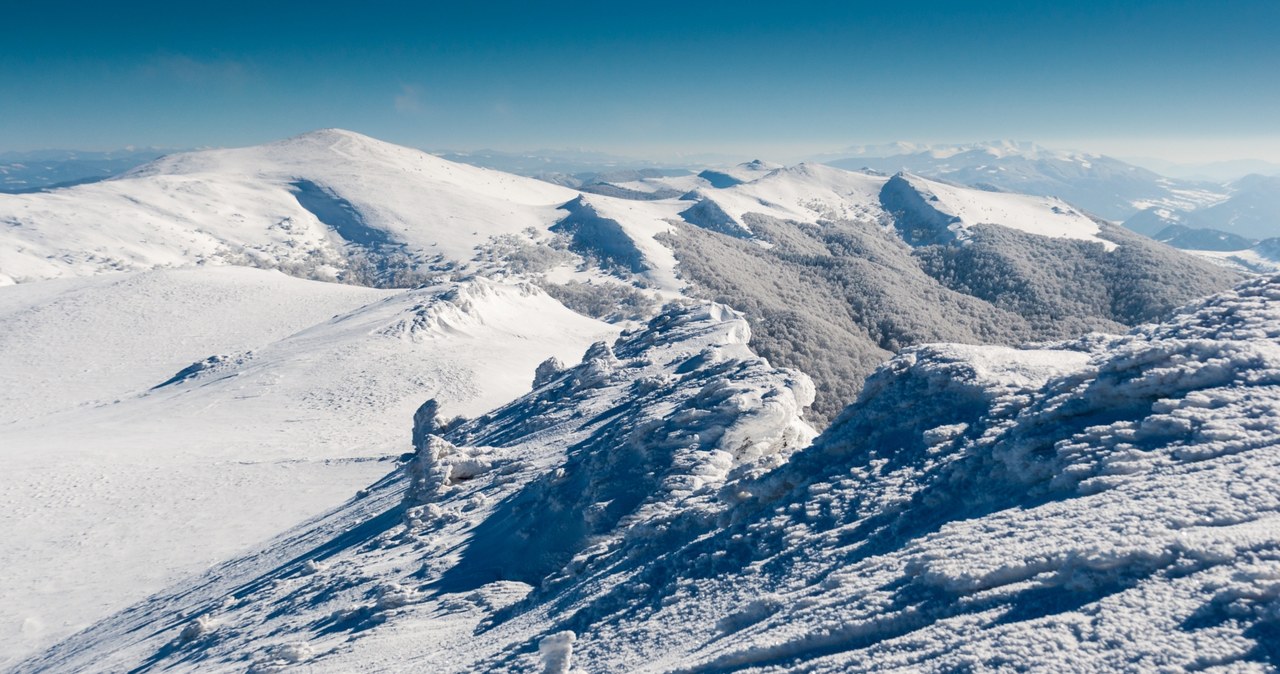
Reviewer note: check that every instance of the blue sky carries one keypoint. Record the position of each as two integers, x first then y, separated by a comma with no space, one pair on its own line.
1174,79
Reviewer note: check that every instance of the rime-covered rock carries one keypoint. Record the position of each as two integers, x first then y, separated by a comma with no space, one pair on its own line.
547,370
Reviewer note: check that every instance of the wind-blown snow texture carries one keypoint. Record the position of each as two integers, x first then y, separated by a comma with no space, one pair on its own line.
166,420
1105,503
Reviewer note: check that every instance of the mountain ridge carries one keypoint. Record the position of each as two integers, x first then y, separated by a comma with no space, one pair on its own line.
454,284
870,549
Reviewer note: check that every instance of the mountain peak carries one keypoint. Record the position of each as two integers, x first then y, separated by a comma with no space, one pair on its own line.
341,138
332,131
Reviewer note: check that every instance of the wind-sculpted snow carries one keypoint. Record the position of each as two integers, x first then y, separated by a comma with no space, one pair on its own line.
675,412
468,306
638,448
1123,515
1108,503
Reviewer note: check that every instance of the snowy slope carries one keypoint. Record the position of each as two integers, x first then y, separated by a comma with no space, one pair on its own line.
1108,503
813,193
210,408
683,409
804,193
624,234
187,403
247,206
956,209
71,343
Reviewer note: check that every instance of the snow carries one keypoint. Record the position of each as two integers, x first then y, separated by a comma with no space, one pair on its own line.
1183,199
142,328
661,503
642,222
814,193
1044,216
804,193
557,652
1103,186
312,393
1263,258
542,461
307,204
1100,504
217,206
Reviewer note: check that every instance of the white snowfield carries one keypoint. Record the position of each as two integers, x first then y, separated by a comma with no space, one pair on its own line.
804,193
155,423
1111,503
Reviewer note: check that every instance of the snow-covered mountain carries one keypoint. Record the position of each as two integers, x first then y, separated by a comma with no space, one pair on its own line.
1102,185
872,263
337,205
301,204
160,373
1098,504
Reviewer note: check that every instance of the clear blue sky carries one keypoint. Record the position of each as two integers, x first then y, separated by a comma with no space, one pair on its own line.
647,78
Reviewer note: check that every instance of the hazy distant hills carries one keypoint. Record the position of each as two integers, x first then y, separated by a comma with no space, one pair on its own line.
1217,171
36,170
1104,186
1197,210
1251,213
1187,212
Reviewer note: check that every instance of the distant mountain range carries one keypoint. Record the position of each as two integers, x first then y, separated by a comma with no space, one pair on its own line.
1185,213
1249,214
1217,171
44,169
1104,186
1193,211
